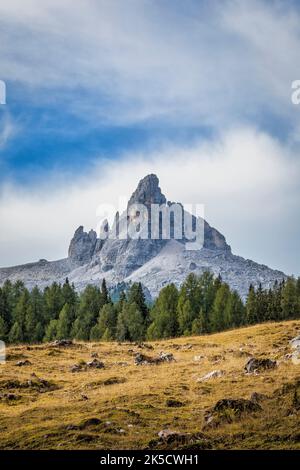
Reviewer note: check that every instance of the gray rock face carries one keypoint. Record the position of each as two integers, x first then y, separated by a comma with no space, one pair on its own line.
148,192
258,365
82,247
155,263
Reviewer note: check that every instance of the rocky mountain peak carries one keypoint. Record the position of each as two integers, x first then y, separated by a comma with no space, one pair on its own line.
148,192
154,262
82,246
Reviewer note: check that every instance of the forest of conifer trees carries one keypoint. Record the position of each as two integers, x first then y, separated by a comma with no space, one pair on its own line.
202,305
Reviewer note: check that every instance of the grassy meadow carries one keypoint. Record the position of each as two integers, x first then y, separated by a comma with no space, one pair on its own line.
124,406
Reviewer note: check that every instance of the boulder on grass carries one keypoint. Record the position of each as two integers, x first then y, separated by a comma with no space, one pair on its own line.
227,410
258,365
211,375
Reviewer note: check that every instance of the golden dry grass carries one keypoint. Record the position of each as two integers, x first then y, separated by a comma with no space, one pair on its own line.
134,409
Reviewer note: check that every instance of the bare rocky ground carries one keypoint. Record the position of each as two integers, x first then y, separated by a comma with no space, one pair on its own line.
188,393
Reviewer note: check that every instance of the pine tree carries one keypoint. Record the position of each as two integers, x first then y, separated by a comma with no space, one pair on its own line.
104,293
218,319
51,331
235,311
135,322
185,317
3,330
289,300
107,323
16,334
35,315
251,306
208,289
5,313
203,322
130,324
20,312
262,304
122,333
197,327
88,311
120,302
39,332
54,301
65,321
164,314
193,293
136,295
107,336
68,294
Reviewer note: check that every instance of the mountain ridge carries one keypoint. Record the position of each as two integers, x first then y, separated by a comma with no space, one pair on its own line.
154,262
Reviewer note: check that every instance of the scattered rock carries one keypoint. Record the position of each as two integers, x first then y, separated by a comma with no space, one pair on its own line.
142,359
62,343
256,365
9,397
296,357
144,346
216,358
174,403
296,400
242,353
76,368
166,357
83,366
23,363
287,357
295,342
34,383
95,364
41,385
239,405
211,375
257,397
227,410
198,358
114,381
11,384
89,423
173,439
167,434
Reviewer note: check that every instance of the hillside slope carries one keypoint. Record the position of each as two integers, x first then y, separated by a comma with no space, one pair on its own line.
49,404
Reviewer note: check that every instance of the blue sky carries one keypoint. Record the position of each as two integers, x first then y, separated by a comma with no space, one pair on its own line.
102,93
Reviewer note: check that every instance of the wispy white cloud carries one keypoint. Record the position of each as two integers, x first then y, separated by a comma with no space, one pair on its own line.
213,63
249,192
224,64
7,129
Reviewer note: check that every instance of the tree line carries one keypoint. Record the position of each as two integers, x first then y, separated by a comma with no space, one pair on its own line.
203,304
